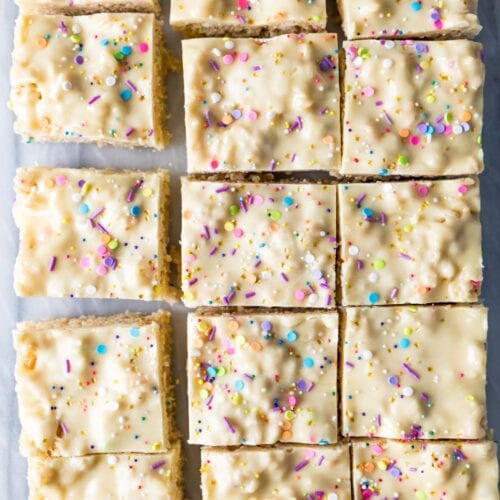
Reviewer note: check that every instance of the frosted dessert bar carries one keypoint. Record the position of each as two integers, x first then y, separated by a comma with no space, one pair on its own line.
413,108
74,7
257,378
414,372
121,476
248,108
424,470
96,78
247,17
412,19
414,242
92,233
95,385
258,244
279,472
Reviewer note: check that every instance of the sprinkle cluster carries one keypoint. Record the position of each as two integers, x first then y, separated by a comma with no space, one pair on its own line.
263,378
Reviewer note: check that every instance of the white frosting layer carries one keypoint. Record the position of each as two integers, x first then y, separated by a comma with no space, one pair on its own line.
253,244
249,109
413,108
87,78
415,18
410,242
110,477
425,470
92,388
281,473
248,16
415,372
262,378
83,234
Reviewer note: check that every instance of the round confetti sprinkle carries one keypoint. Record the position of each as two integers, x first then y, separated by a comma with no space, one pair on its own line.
101,349
308,362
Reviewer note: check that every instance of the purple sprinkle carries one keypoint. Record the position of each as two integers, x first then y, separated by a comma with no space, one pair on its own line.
272,164
257,264
208,119
229,427
236,114
96,213
192,281
131,86
209,400
62,27
79,60
359,265
101,228
129,132
249,295
387,118
394,293
68,366
424,396
52,263
243,206
158,464
411,372
321,459
214,65
63,427
94,99
404,256
301,465
325,64
222,189
360,199
349,364
329,300
211,334
383,219
212,250
284,276
207,232
378,420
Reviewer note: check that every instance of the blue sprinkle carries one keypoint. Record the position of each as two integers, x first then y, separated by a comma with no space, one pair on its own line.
126,94
135,210
134,331
308,362
404,343
238,385
373,297
368,212
83,209
291,336
416,6
126,50
287,201
101,349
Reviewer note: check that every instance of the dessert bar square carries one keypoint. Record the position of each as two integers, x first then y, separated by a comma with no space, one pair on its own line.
248,108
279,472
74,7
124,477
414,372
261,378
258,244
95,385
92,233
413,19
425,469
96,78
414,242
413,108
247,17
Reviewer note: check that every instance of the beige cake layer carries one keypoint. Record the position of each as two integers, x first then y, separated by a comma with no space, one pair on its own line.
95,385
413,242
425,470
413,108
249,109
93,233
281,472
261,378
107,476
75,7
258,244
247,17
414,372
412,19
108,69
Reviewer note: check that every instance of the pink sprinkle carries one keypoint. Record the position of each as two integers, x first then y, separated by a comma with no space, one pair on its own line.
292,400
377,449
438,24
85,262
243,57
229,427
252,115
143,47
61,180
101,270
242,4
463,188
102,250
414,139
94,99
52,263
368,92
228,59
422,190
299,294
238,232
